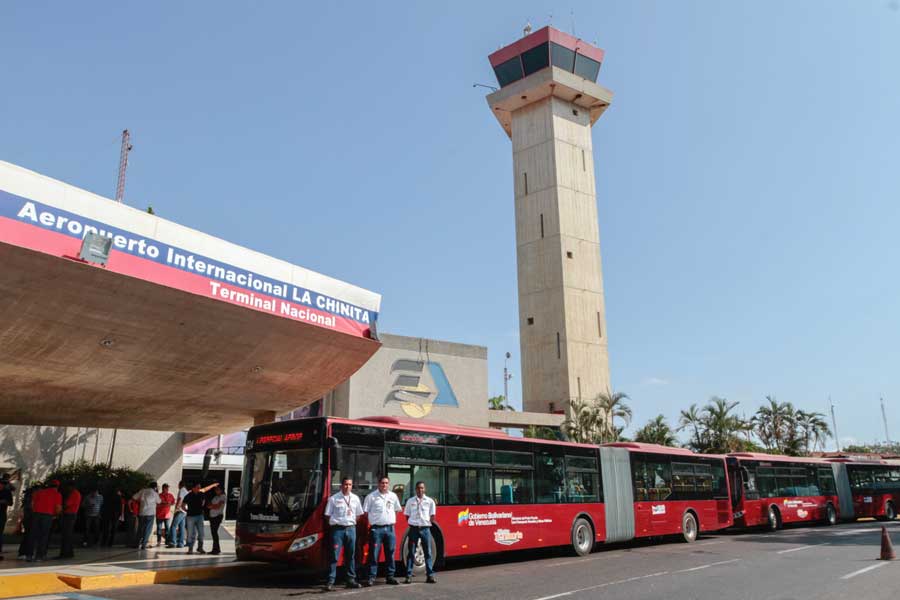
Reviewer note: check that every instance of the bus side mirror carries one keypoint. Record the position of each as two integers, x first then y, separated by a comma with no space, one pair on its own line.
334,453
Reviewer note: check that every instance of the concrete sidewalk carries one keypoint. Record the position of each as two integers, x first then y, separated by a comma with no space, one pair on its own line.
97,568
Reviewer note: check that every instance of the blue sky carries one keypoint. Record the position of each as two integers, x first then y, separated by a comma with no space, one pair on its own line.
747,171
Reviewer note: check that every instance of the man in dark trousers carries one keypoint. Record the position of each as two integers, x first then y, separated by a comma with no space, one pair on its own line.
46,504
111,514
71,504
26,548
6,500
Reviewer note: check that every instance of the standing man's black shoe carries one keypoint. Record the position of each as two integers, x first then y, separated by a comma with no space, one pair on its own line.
329,587
431,579
407,580
392,581
353,585
368,583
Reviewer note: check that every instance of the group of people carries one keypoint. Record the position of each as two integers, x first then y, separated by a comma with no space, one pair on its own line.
381,507
178,517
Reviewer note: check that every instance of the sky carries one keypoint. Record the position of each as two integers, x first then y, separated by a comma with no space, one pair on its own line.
747,171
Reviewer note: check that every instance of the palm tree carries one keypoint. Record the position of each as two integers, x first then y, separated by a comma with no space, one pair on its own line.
722,427
656,431
693,419
612,406
813,429
540,433
582,422
498,403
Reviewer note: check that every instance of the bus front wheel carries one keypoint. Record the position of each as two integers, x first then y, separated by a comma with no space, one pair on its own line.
830,515
689,527
582,537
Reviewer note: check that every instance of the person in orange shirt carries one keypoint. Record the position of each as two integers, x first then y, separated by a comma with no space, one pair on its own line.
46,503
71,504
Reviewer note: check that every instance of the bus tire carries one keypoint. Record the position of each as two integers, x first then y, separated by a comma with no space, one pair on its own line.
582,537
830,515
690,529
773,522
419,560
890,513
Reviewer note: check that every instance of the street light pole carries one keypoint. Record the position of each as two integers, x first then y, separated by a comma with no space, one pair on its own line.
506,377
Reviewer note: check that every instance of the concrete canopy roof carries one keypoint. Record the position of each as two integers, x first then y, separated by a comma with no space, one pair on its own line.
142,344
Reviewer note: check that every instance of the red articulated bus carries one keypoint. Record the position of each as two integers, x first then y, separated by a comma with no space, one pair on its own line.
494,492
770,490
872,486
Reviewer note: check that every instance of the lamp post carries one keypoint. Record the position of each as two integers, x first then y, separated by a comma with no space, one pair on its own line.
506,377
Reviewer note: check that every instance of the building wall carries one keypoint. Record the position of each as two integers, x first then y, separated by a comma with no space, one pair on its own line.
405,378
561,308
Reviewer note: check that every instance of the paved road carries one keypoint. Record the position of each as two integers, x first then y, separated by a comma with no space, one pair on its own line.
803,563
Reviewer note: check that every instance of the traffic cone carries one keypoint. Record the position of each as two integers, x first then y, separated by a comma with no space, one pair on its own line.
887,549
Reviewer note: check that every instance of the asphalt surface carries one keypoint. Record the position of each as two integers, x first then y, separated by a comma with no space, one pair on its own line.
797,563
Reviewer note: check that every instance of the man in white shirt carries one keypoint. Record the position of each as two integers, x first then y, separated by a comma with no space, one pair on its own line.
216,514
149,498
175,539
343,510
382,507
420,510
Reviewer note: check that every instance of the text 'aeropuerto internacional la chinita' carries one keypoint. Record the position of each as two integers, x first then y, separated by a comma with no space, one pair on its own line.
52,230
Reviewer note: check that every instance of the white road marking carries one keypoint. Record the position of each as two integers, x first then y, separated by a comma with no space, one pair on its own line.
861,571
602,556
602,585
801,548
721,562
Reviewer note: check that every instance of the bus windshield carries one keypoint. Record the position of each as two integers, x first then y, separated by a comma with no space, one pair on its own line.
281,485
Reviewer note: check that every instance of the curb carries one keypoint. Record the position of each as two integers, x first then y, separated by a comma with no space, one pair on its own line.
12,586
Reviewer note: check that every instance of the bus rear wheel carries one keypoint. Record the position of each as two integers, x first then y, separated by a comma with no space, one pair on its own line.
890,513
830,515
582,537
774,520
689,527
419,555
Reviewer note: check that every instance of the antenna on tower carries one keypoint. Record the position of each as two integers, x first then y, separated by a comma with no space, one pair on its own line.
887,436
123,165
527,29
573,20
837,440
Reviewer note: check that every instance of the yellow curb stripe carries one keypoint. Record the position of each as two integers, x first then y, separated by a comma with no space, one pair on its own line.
26,585
54,583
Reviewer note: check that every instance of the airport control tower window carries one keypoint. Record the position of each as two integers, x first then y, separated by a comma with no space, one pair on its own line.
562,57
535,59
508,71
586,67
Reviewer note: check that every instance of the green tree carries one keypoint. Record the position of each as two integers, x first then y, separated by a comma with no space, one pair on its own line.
87,476
722,427
612,407
498,403
656,431
813,429
582,422
540,433
693,419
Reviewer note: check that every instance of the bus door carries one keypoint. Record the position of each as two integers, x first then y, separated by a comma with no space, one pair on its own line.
735,483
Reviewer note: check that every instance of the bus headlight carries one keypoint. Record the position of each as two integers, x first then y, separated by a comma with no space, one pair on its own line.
303,543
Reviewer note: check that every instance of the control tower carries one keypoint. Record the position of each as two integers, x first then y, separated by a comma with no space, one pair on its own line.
547,102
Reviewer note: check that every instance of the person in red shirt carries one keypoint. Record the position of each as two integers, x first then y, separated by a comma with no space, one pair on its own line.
164,516
71,504
46,503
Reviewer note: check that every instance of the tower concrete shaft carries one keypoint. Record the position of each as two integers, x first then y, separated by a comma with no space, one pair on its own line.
548,115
